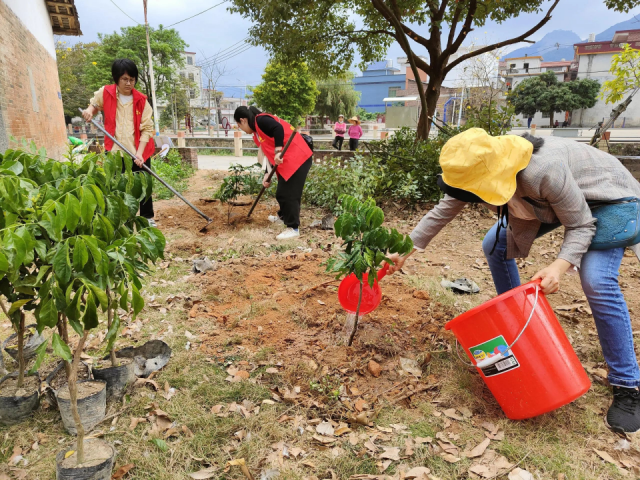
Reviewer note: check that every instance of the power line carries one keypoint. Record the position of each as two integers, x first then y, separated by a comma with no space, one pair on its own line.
242,49
124,12
192,16
206,59
220,57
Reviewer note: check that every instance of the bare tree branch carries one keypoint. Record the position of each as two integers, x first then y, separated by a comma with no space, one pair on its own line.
511,41
466,28
454,24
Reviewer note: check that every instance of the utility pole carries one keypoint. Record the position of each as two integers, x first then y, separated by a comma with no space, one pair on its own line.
461,104
153,82
209,109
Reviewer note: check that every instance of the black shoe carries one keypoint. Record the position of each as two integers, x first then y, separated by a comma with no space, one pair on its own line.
624,413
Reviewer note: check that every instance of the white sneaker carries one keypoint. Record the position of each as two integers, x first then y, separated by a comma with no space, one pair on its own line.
275,219
152,222
288,233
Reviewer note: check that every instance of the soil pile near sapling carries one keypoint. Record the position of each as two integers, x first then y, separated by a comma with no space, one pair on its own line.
267,303
106,363
60,378
85,389
9,388
183,217
95,452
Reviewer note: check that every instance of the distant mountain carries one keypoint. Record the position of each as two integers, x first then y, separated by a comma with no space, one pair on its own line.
632,24
554,46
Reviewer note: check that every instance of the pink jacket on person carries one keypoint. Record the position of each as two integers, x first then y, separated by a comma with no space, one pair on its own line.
355,132
340,129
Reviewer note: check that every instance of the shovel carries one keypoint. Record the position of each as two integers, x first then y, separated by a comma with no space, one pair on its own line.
273,170
154,175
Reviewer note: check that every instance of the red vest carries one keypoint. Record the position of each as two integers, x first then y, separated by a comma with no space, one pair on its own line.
110,106
297,153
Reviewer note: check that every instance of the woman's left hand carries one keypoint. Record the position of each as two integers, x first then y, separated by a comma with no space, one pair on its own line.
139,160
278,158
550,276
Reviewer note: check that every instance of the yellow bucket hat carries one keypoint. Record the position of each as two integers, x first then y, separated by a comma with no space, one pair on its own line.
484,165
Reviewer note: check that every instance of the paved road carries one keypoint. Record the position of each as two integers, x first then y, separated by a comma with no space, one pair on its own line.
222,162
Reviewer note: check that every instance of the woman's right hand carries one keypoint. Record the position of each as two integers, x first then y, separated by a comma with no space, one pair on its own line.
398,262
87,114
265,181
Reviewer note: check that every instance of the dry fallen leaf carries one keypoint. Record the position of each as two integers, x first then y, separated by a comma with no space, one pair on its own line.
605,456
324,440
217,409
451,413
122,471
360,404
418,473
240,462
140,382
481,470
450,458
204,474
478,451
272,370
390,453
325,428
341,431
135,421
411,366
520,474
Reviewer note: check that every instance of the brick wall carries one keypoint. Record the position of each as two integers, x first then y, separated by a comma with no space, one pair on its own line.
30,107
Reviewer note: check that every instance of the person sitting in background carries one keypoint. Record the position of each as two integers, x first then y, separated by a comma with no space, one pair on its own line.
127,117
340,128
355,133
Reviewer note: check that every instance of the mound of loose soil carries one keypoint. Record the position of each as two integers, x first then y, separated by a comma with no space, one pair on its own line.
85,389
9,388
182,217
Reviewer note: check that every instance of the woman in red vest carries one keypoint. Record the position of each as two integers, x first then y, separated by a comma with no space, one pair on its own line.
271,133
127,116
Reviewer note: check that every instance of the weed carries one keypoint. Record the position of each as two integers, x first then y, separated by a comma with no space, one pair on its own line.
174,171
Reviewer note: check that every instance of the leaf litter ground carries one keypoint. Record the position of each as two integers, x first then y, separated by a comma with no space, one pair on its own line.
260,381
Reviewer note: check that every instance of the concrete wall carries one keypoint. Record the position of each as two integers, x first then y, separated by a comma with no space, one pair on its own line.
30,101
597,67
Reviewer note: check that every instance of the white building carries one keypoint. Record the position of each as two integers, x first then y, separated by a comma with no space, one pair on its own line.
193,73
594,61
515,70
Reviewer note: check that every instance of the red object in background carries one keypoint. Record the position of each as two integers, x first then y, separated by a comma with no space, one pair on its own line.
349,292
549,374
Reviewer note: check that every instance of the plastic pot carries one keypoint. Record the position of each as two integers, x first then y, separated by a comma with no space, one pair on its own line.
147,358
116,378
50,390
16,409
99,458
92,405
30,346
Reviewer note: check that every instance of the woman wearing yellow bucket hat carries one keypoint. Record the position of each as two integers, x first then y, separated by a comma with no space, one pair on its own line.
535,186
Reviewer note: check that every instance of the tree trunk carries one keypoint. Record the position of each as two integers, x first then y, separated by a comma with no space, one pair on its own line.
73,395
21,366
64,334
112,352
432,97
551,119
355,322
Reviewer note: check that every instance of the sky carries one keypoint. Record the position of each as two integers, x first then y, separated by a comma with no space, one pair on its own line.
217,29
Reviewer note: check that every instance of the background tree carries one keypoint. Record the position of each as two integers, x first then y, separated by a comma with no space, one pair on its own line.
337,97
166,49
546,94
625,66
287,90
329,34
212,72
485,105
73,67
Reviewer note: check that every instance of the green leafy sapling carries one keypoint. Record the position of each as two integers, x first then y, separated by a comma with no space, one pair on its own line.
366,245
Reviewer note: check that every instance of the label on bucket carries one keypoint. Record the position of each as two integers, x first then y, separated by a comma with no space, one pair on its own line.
491,348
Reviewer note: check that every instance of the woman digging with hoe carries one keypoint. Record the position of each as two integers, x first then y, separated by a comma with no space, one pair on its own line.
535,186
127,116
270,133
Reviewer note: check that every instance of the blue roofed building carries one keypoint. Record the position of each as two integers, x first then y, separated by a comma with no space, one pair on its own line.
379,81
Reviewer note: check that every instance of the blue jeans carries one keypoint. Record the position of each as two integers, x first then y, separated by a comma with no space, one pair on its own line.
599,277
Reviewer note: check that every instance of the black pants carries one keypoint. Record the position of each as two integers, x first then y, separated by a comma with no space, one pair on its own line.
337,142
146,206
353,144
289,195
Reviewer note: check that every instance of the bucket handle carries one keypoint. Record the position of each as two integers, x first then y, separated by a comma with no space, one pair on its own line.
498,358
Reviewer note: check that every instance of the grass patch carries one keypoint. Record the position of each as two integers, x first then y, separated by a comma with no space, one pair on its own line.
174,171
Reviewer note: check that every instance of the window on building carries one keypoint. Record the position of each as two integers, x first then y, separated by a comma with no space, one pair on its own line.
393,91
191,78
182,75
545,115
192,94
189,60
526,67
513,65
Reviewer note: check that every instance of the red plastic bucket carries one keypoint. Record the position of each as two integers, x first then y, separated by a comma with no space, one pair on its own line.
541,372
